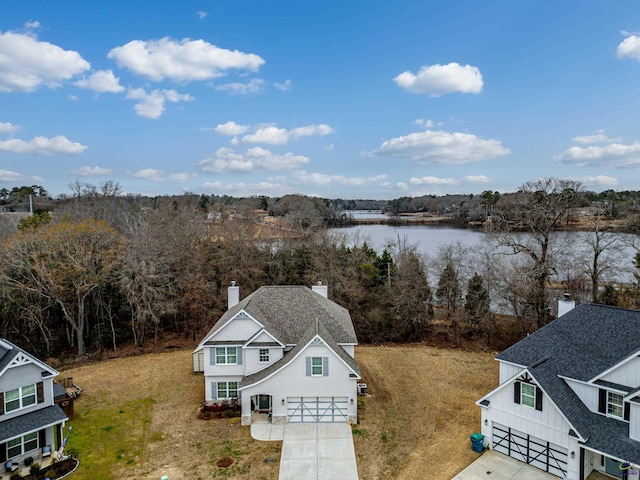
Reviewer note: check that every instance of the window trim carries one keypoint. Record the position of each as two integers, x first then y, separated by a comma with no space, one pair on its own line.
611,405
314,367
528,399
23,444
223,358
224,390
264,354
21,398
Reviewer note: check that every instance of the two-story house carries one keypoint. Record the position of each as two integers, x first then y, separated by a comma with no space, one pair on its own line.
30,422
287,351
568,401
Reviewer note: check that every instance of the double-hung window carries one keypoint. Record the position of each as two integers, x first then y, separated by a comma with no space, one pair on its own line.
264,355
21,445
227,389
19,398
226,355
528,395
615,406
316,366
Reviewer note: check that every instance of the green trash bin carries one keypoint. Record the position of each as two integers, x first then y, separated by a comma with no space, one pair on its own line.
477,442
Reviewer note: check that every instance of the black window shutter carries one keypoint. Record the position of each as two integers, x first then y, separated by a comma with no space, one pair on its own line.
42,438
516,392
3,452
538,398
40,391
627,412
602,401
1,403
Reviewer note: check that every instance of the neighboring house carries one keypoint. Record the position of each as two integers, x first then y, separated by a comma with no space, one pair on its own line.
286,351
569,395
30,422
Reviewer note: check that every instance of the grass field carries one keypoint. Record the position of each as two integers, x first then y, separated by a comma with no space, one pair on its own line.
137,418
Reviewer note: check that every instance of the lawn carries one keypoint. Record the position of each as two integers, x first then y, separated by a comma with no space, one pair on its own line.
137,418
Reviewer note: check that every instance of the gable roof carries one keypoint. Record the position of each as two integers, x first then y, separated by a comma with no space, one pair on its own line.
312,332
12,355
581,344
31,422
287,312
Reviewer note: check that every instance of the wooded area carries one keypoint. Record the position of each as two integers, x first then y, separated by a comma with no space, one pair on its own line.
101,269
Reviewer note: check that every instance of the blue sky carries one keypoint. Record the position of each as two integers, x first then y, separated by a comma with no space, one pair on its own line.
343,99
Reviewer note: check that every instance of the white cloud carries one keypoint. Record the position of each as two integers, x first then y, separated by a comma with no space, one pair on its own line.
9,176
255,159
433,181
477,179
91,171
26,63
597,137
442,147
6,127
302,177
402,186
32,24
181,61
613,155
285,87
156,175
272,135
329,147
202,14
101,81
244,189
437,80
43,146
630,47
72,98
597,180
151,105
424,122
238,88
230,128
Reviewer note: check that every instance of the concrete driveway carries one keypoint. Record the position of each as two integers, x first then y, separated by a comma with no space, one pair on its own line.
312,451
495,466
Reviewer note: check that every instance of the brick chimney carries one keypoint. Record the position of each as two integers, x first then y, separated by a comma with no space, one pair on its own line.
233,294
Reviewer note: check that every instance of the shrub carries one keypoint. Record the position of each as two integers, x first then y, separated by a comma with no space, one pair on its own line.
34,469
15,476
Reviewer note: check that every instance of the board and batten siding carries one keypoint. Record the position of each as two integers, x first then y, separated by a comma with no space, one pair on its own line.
239,328
627,374
292,381
587,393
634,424
548,424
508,370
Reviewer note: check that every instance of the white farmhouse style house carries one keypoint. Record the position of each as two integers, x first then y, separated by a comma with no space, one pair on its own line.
287,351
568,401
30,422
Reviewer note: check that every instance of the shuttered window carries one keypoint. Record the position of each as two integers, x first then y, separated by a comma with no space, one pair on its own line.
317,366
527,394
19,398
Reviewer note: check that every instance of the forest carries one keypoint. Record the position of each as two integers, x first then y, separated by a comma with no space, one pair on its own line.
96,270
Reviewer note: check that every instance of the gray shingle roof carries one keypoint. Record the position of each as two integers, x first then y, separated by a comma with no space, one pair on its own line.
287,312
582,344
31,422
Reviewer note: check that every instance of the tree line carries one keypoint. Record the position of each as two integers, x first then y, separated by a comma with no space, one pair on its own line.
103,270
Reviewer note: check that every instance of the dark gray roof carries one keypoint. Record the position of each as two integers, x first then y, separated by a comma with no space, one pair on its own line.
287,312
582,344
309,335
7,355
31,422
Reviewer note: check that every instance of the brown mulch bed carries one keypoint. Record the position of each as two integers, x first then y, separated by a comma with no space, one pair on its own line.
59,470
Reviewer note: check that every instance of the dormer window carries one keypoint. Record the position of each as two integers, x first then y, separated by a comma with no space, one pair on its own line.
615,404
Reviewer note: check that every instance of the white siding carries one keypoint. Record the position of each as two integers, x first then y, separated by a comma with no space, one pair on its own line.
634,425
252,358
237,329
627,374
221,370
350,349
292,381
508,370
547,424
263,337
22,376
208,393
587,393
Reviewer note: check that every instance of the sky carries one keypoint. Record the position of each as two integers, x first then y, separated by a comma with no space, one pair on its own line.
338,99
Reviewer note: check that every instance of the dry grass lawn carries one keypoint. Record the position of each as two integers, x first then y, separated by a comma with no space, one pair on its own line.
137,418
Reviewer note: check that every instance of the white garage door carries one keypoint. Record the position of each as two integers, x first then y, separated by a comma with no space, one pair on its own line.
529,449
317,409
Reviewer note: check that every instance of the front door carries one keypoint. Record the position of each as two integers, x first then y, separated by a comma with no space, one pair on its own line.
263,402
